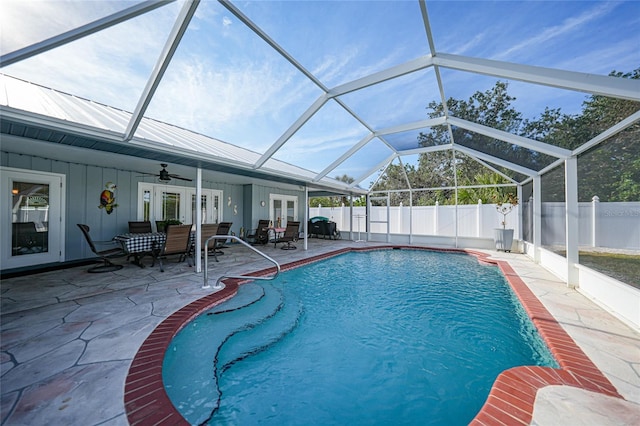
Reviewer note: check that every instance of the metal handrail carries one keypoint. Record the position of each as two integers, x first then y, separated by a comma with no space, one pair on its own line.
218,286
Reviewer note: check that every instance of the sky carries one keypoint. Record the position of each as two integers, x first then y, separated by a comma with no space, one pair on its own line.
227,83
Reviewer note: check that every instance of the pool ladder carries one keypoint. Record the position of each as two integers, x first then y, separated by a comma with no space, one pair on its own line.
218,285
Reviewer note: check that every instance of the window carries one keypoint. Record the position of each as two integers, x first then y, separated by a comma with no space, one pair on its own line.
157,202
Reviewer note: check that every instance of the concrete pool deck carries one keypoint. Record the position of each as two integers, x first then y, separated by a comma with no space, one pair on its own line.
69,338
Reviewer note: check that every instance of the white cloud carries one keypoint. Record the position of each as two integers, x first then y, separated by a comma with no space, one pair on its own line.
110,67
199,95
470,45
550,33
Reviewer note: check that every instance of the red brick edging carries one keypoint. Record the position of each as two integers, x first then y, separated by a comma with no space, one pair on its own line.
510,401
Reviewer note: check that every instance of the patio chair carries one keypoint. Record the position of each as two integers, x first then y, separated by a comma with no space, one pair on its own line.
178,242
207,231
140,227
223,229
260,235
106,255
26,238
291,234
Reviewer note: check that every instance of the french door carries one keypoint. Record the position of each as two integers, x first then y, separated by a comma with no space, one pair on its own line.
166,202
283,208
31,217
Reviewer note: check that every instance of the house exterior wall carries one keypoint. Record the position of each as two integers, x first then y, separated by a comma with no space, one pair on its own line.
254,194
84,185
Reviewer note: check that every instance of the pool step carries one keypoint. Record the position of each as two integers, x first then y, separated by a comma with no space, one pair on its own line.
265,333
247,294
195,352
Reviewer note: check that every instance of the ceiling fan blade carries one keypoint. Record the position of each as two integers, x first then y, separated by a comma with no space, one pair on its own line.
180,177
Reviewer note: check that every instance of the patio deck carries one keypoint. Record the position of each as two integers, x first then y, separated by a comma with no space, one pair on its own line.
69,337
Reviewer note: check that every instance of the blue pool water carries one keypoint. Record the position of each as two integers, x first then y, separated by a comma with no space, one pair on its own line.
383,337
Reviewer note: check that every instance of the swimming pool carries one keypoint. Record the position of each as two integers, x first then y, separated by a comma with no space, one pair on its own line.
414,337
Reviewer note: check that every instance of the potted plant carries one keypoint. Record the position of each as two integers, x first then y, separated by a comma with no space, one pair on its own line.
504,205
161,226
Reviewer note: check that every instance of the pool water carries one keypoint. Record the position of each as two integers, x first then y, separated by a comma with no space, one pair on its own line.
381,337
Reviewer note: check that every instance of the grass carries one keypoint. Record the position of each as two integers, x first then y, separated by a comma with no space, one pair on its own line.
623,267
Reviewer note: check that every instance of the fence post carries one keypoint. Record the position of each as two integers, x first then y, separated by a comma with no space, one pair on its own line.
479,218
435,218
399,227
595,201
530,222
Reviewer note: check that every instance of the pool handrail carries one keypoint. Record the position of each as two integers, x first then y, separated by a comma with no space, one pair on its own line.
218,286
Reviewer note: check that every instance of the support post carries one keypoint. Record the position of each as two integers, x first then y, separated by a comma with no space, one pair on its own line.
536,217
595,204
479,218
571,219
198,243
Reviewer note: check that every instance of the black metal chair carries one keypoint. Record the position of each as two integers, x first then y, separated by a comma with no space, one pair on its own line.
291,235
140,227
260,235
223,229
106,255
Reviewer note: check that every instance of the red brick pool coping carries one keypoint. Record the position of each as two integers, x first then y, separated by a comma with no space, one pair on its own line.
510,401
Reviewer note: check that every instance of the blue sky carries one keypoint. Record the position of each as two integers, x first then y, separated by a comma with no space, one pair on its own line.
225,82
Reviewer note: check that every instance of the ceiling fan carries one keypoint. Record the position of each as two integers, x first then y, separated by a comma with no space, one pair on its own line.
166,176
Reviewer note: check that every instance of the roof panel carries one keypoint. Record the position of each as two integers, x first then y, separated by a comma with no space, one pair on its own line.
569,35
341,41
23,24
330,131
397,101
110,66
226,82
364,160
503,150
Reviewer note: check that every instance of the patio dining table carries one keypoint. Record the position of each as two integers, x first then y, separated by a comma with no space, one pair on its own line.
140,245
275,233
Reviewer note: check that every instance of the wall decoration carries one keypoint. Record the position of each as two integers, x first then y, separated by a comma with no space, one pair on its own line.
108,198
262,203
229,201
235,209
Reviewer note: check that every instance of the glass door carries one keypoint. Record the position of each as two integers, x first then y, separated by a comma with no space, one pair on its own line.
171,205
165,202
277,213
32,218
283,208
211,211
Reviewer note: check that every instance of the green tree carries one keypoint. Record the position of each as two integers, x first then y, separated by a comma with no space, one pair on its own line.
611,170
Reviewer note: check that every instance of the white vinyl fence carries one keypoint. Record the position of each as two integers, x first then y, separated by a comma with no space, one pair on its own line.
478,220
610,225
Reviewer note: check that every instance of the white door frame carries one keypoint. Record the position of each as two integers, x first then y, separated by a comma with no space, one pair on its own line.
155,190
56,211
283,199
